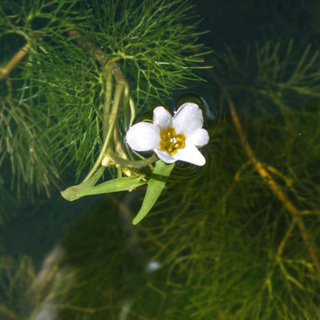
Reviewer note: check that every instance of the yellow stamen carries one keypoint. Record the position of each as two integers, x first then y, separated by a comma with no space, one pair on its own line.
170,141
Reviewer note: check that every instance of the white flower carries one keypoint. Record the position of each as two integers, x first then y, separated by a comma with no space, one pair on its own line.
172,138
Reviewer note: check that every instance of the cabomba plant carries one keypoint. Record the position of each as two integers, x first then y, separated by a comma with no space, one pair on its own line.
237,235
72,97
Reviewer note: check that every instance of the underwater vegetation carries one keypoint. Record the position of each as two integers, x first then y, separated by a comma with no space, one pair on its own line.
237,238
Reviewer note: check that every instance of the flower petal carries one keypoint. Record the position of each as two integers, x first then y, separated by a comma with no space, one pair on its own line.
199,138
164,156
187,119
162,118
143,136
190,154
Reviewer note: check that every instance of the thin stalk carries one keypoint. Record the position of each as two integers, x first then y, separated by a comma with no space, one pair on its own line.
107,105
286,237
118,146
112,119
4,72
132,164
133,111
122,90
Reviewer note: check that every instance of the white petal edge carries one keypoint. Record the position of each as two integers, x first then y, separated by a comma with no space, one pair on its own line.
162,118
187,119
190,154
164,156
199,138
143,136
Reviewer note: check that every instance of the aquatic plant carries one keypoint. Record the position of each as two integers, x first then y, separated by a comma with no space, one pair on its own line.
235,239
72,95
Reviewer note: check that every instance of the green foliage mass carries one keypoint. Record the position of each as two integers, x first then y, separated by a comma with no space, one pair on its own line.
56,101
216,237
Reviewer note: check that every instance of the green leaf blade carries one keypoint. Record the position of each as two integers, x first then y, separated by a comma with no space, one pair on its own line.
70,193
88,188
156,184
115,185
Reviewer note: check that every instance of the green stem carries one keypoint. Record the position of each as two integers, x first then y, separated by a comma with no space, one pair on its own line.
106,111
133,111
132,164
126,109
112,119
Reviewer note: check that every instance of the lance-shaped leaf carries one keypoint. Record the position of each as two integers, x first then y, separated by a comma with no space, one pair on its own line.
70,193
115,185
87,188
156,184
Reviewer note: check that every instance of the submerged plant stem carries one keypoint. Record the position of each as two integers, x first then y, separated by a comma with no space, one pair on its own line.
112,119
107,105
286,237
266,176
122,91
4,72
132,164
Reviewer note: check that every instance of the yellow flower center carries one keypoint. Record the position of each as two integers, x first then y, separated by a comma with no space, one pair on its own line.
170,141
